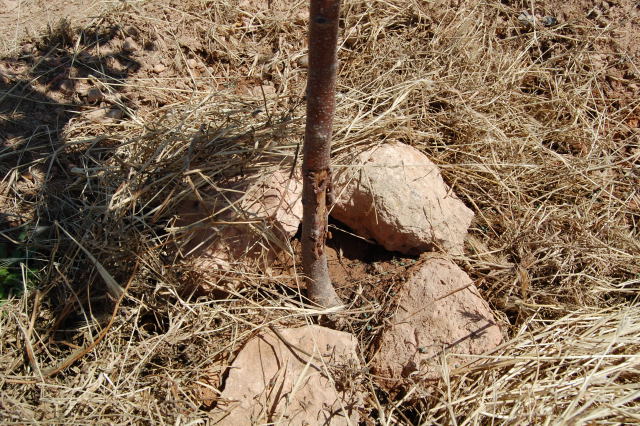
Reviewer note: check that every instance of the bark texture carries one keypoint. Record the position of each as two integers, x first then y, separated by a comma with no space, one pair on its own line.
321,86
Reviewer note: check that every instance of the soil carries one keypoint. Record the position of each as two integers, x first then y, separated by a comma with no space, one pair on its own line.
24,19
617,52
363,273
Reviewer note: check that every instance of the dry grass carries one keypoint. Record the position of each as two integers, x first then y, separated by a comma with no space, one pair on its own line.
518,121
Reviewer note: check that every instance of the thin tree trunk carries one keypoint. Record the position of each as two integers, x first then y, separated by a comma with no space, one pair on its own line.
321,86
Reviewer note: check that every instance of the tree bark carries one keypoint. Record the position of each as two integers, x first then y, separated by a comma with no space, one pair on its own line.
321,85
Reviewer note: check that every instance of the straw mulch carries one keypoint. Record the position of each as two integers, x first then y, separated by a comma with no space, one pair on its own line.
522,121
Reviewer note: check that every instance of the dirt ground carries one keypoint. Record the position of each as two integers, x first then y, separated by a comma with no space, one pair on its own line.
112,114
21,19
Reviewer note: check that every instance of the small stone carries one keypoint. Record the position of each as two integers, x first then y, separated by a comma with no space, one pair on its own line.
158,68
192,63
549,21
129,45
27,49
67,86
526,19
104,115
96,116
94,95
303,61
267,89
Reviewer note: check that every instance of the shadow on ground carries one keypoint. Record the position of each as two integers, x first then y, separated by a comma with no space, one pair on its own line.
43,200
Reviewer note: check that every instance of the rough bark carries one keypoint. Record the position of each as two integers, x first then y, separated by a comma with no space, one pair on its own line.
321,84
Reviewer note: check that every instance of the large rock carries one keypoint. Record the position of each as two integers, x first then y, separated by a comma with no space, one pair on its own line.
245,224
440,315
288,379
395,195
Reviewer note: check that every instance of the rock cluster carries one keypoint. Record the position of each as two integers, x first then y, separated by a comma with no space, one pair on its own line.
392,194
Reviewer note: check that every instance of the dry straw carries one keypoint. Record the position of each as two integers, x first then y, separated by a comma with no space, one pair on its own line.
516,118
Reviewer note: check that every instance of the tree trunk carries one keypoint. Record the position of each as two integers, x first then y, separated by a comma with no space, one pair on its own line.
321,86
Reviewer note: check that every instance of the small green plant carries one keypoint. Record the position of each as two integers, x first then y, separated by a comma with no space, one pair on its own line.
12,256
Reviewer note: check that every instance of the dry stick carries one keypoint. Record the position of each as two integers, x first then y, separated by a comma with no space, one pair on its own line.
321,85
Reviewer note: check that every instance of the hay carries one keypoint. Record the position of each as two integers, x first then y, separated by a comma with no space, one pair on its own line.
518,121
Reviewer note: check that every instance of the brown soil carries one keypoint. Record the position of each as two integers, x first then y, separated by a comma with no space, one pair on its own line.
22,19
365,275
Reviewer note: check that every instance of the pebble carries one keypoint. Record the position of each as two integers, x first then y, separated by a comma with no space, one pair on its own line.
129,45
27,49
104,115
67,86
94,95
526,19
158,68
192,63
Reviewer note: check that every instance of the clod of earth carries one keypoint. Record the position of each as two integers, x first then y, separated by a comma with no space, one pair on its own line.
287,377
395,195
129,45
441,319
266,90
104,115
94,95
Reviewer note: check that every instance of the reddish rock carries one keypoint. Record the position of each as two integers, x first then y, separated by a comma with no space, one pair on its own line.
192,63
248,222
395,195
158,68
268,90
289,379
440,314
